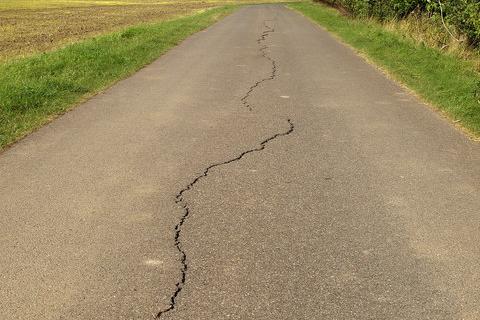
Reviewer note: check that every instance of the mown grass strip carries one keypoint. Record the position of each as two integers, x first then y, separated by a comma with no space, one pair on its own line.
448,82
34,90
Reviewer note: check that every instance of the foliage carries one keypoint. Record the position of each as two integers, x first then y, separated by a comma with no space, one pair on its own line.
461,14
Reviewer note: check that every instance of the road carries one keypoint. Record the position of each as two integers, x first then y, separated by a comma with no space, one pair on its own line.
259,170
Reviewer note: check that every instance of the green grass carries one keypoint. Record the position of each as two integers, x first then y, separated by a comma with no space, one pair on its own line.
446,81
34,90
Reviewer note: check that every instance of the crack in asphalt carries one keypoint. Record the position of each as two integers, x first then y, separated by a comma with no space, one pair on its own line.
263,49
179,198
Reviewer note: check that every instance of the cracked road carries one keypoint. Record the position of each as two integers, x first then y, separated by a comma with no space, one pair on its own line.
259,170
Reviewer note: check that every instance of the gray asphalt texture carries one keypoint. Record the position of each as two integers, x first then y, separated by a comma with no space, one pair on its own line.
325,191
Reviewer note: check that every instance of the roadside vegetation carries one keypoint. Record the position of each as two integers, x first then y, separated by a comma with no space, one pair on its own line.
460,19
35,89
414,50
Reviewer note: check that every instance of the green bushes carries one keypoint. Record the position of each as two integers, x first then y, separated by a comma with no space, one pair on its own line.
464,15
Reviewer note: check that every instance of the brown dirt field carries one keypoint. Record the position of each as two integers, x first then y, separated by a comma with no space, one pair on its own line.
26,31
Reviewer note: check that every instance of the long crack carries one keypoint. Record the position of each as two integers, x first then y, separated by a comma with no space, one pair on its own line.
179,198
263,50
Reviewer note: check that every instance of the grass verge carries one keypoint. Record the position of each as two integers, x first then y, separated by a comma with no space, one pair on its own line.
36,89
444,80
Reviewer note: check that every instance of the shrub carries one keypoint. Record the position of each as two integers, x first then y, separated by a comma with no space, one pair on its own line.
464,15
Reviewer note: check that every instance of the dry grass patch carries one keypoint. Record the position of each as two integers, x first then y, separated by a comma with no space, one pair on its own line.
430,32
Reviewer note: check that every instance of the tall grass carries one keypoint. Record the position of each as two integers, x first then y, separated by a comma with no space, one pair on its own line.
429,31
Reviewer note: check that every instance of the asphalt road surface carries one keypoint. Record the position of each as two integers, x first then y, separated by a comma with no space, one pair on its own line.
259,170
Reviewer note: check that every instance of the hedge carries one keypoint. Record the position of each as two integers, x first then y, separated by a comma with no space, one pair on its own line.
462,14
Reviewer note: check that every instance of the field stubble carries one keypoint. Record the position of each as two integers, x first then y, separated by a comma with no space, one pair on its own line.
28,27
